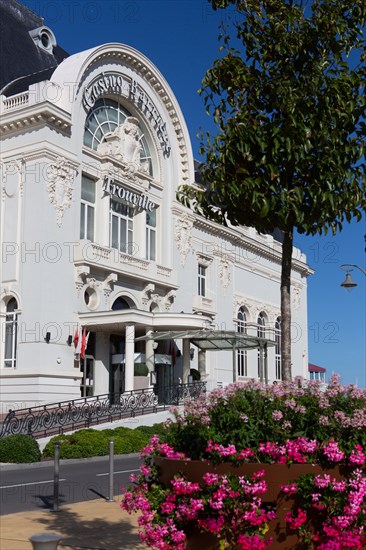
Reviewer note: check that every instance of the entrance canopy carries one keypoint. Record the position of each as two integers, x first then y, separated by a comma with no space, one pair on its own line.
213,339
217,340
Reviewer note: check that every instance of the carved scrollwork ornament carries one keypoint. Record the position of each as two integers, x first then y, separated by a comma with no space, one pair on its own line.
183,237
60,178
224,273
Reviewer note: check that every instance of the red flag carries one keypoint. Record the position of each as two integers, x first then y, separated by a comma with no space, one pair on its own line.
76,337
83,344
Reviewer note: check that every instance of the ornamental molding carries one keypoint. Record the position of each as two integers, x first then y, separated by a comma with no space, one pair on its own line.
150,76
169,299
81,272
204,259
108,287
247,246
12,172
124,145
183,236
26,118
224,273
44,152
60,176
296,296
109,166
254,308
146,295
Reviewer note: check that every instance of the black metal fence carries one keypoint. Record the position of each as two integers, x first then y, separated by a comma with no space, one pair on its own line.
57,418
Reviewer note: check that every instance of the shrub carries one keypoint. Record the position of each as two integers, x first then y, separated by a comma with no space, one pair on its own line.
155,429
19,449
140,369
88,443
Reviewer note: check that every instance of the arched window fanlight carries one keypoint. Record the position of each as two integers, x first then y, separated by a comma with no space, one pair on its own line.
120,303
103,119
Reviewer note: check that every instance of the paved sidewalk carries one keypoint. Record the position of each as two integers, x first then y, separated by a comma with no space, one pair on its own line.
91,525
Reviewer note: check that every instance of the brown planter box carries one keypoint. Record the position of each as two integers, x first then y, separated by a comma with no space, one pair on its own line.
276,475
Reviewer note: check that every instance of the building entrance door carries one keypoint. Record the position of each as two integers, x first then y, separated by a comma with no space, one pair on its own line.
164,382
117,381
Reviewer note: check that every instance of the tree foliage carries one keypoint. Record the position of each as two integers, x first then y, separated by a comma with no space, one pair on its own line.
288,96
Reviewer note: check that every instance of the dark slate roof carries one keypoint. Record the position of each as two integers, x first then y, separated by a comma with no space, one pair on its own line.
22,61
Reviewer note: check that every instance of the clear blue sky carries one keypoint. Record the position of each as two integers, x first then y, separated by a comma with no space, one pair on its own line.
180,37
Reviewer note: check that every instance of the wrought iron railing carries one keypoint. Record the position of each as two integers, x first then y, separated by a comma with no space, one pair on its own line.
57,418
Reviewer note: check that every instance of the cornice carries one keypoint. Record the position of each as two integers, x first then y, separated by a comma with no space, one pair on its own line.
236,238
40,151
27,117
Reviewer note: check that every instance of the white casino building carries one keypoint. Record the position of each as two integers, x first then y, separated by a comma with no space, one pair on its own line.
94,148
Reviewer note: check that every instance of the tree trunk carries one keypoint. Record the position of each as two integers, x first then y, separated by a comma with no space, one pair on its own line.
286,365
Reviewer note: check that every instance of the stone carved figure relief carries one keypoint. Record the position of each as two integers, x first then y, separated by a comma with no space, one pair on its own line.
224,273
60,176
296,297
124,145
183,236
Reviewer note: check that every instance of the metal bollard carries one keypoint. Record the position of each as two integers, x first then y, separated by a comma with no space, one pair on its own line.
111,469
56,477
45,541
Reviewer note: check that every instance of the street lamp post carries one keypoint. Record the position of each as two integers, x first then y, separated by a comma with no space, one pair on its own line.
348,283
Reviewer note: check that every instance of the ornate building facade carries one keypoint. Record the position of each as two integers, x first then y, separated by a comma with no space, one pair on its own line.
94,148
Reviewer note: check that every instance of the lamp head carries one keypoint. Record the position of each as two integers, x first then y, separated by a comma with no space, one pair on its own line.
348,283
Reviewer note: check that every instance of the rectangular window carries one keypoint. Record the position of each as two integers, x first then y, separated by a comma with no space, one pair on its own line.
87,208
278,351
242,359
242,362
10,340
121,231
201,280
151,235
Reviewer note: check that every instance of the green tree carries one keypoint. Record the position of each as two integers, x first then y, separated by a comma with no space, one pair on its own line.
288,97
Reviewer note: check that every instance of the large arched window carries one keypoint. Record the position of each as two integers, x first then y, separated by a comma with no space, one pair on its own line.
103,119
242,364
278,348
11,327
261,333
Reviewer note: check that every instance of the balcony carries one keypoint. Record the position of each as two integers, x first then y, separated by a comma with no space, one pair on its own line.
110,259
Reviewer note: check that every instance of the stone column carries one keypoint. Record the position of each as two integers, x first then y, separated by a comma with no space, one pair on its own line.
149,354
101,364
186,359
202,362
129,356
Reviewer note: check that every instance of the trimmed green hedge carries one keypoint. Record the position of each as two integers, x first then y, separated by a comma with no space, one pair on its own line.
19,449
88,443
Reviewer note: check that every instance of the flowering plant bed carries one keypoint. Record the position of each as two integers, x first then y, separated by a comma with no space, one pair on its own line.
252,467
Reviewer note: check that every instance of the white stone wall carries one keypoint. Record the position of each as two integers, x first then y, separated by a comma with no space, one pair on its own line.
47,268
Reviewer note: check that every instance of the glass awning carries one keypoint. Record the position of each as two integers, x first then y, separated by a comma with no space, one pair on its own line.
214,340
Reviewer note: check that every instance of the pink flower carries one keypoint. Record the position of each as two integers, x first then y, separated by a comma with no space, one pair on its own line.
357,456
296,521
277,415
332,452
